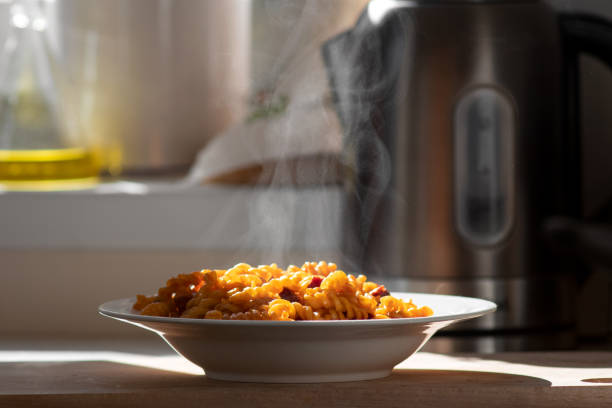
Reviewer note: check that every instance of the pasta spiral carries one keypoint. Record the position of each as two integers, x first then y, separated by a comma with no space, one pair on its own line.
314,291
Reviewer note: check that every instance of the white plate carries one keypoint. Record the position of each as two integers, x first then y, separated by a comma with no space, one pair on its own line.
303,351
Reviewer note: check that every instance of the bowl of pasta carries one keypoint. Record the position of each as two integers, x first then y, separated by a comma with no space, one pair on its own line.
313,323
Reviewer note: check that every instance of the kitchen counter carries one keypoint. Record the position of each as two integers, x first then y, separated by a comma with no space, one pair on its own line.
110,378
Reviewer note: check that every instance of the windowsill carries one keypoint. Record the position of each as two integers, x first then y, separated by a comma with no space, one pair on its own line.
141,216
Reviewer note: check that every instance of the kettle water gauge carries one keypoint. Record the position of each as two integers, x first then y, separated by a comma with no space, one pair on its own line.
483,166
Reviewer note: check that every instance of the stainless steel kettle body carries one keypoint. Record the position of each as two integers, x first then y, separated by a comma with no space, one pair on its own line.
453,113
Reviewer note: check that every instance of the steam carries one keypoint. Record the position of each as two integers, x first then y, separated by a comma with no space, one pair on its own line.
365,68
316,103
308,127
319,96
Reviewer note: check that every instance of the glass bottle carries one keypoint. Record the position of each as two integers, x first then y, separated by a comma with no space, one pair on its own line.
36,149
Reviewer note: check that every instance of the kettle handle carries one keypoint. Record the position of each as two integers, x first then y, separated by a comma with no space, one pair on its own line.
582,34
589,242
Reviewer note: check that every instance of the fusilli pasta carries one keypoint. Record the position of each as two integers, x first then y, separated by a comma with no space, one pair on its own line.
315,291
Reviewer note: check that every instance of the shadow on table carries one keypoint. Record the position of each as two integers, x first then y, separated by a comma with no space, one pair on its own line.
463,378
112,377
112,384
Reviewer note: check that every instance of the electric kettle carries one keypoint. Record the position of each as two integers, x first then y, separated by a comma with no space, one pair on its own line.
460,127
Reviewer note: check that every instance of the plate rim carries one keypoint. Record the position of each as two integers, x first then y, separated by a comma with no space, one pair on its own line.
487,307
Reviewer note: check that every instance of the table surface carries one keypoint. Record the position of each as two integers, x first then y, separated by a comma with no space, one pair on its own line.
68,378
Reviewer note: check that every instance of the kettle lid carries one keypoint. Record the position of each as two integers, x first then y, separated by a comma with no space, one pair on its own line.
378,9
427,2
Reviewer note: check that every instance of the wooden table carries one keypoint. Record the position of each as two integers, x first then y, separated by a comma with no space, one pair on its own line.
114,379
